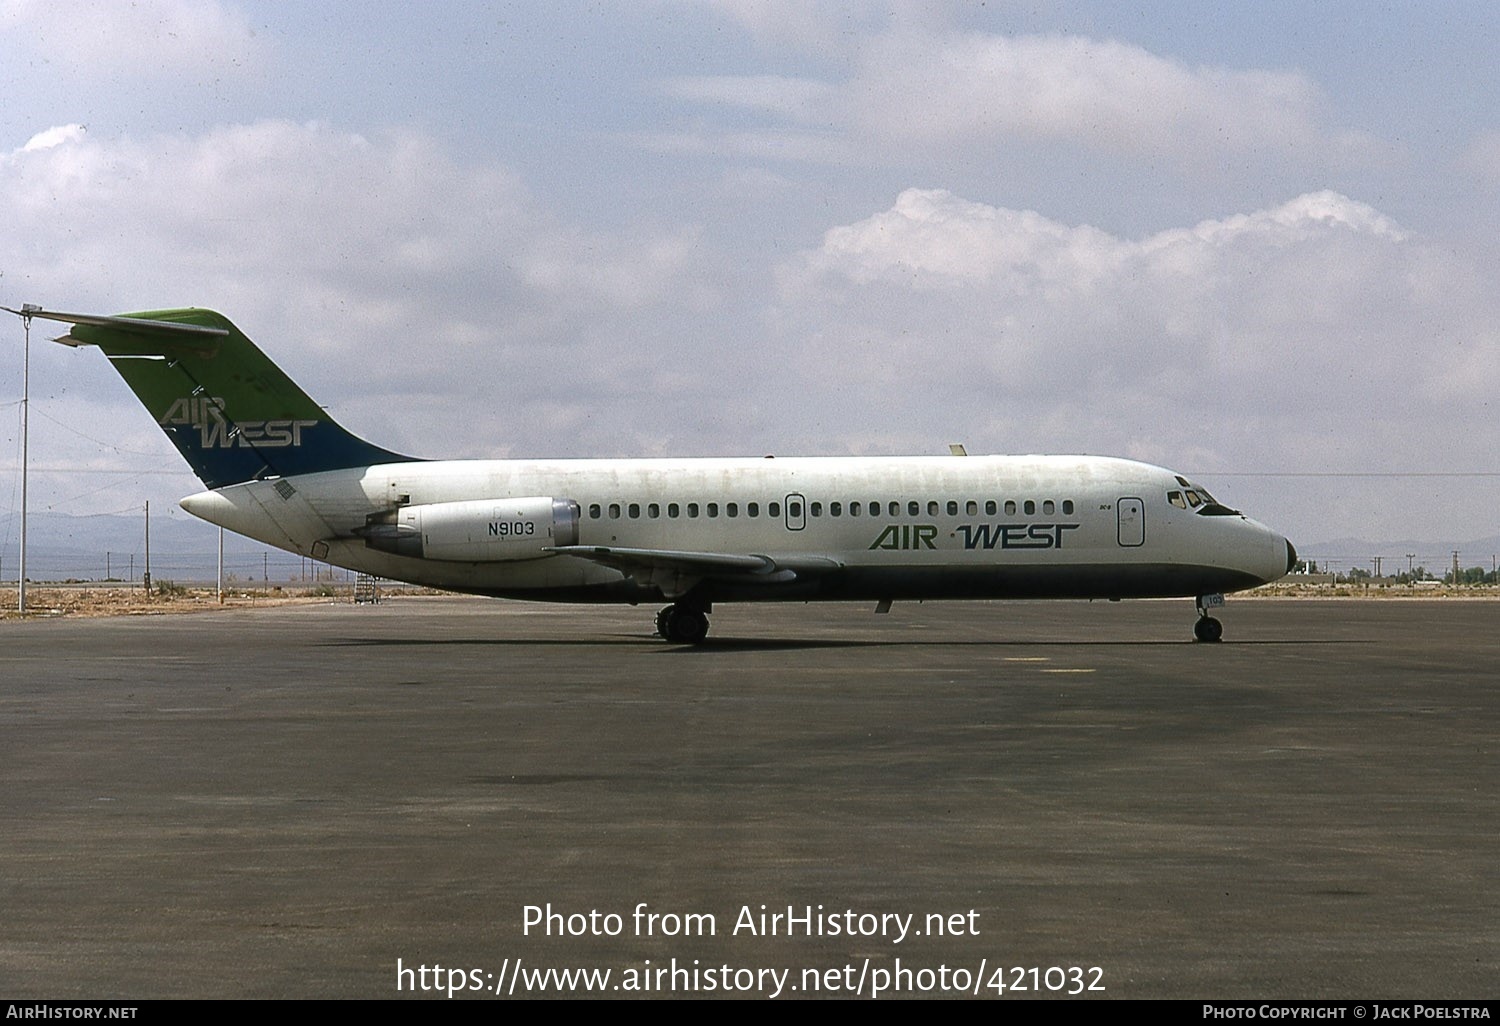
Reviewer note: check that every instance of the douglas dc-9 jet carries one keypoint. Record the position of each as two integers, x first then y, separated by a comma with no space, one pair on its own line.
688,532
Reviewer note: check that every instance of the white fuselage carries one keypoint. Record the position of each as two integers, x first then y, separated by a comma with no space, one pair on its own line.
847,528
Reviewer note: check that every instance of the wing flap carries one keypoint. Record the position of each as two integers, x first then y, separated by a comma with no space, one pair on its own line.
676,572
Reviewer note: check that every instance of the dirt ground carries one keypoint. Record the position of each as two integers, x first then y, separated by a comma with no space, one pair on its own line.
133,600
91,599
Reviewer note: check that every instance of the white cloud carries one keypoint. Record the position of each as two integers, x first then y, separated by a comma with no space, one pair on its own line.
1100,94
58,136
919,91
1237,341
438,306
372,266
825,27
146,38
1483,157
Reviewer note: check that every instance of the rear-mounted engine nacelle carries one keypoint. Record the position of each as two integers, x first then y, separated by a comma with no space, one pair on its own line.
479,531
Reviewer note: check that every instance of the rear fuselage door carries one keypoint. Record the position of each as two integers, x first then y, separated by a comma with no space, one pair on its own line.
1131,514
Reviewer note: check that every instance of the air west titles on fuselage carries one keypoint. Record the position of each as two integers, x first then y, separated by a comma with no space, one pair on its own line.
216,432
975,536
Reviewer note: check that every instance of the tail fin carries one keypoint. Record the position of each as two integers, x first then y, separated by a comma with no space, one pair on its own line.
231,412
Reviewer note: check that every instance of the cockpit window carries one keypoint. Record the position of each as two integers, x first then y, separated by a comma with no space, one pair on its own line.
1193,500
1176,499
1214,509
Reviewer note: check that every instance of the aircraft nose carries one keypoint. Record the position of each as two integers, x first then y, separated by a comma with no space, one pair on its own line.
1291,555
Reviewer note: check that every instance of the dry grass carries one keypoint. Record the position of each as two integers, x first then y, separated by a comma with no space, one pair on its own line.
132,600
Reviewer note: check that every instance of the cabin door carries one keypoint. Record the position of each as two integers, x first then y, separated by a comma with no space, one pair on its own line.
1131,522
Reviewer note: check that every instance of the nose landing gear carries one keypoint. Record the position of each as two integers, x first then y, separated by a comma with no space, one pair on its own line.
1207,628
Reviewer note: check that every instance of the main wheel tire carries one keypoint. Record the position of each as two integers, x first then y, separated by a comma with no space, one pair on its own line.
1208,629
687,626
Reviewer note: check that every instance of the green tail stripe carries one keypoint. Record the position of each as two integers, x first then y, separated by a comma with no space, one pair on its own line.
232,413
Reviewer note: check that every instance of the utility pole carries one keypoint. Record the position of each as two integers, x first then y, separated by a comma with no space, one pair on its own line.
1455,568
27,310
221,566
1376,560
147,577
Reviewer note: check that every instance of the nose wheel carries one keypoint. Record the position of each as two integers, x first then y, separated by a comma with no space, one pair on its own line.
682,624
1207,628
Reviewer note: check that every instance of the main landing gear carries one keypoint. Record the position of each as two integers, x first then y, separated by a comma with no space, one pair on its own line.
1207,628
684,624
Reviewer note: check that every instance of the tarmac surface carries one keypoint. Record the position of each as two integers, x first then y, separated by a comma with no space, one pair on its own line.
331,801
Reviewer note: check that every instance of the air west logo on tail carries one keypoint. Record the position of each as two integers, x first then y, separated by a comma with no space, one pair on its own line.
216,432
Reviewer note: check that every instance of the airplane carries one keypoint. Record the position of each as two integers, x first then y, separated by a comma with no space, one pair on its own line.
691,532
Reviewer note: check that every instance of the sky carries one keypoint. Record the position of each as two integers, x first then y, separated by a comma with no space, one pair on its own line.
1255,243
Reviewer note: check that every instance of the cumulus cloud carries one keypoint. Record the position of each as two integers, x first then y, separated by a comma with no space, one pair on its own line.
437,305
1281,322
398,268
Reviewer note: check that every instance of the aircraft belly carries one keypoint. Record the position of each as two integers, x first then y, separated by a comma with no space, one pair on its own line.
1061,581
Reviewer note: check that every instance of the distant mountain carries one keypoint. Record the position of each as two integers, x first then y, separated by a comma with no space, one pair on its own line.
92,548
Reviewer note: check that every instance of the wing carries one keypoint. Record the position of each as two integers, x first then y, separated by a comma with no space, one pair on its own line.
676,573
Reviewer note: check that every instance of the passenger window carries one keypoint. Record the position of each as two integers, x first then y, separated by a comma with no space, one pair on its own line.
815,508
614,511
835,509
1068,507
971,508
595,512
874,509
733,509
932,508
673,510
794,510
693,510
752,509
989,507
773,509
854,509
1048,508
895,509
713,509
913,508
635,511
654,510
1010,507
1030,507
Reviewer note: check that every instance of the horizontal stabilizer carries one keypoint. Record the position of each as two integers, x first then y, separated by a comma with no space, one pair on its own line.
232,413
171,335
